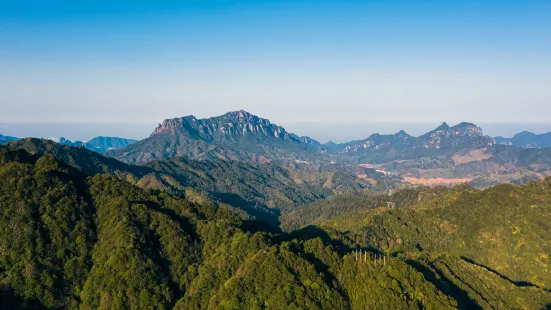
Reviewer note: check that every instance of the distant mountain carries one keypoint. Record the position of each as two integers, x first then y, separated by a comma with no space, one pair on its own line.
233,136
104,144
64,141
445,155
242,136
374,144
527,139
99,144
461,136
4,139
442,140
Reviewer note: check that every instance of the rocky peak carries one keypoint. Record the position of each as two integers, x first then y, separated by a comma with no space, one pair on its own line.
231,124
240,115
467,129
461,129
465,125
462,134
402,135
444,126
171,125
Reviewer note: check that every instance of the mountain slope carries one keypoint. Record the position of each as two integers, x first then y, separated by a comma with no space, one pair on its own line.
268,185
71,241
261,190
376,145
337,205
503,228
232,136
80,158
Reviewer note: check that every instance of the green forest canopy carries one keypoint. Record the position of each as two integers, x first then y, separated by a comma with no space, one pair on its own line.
73,240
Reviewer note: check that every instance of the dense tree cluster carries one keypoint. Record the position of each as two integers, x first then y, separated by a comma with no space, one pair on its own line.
263,191
74,238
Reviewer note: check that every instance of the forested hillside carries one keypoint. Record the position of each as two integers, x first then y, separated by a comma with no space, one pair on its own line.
262,190
350,202
503,229
72,241
69,240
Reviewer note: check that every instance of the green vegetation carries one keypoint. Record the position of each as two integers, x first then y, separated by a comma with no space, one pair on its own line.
259,185
505,228
346,203
486,248
75,237
263,191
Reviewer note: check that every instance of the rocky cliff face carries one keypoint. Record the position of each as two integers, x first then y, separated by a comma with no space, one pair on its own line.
238,123
463,135
235,135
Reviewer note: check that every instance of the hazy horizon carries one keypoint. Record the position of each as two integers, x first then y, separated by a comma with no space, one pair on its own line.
336,132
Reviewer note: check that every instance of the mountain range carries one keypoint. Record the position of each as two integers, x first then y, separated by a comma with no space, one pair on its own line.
527,139
445,155
271,172
442,140
98,144
242,136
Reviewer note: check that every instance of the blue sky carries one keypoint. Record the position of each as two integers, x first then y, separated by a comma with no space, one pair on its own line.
294,62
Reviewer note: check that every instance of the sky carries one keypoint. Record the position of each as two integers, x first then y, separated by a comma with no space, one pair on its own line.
329,69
